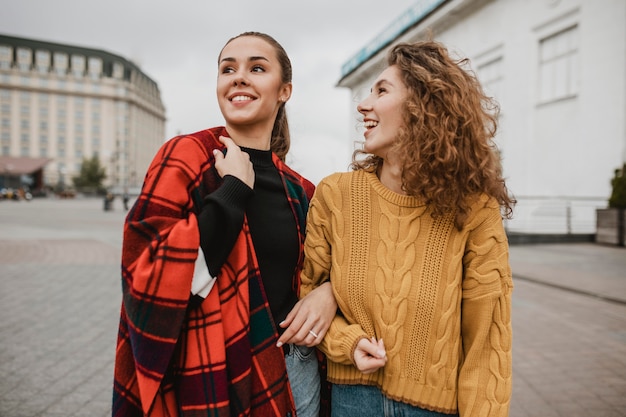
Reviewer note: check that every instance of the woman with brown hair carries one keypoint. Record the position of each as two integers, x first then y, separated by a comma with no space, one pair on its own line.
211,261
413,244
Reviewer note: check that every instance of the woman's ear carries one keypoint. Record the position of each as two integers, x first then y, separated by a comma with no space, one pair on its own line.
285,92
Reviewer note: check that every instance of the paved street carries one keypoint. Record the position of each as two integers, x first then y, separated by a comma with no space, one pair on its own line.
60,297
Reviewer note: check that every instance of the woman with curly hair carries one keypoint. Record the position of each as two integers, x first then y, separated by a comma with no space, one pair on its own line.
413,244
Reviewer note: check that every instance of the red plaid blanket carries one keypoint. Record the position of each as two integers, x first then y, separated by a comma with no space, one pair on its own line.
218,359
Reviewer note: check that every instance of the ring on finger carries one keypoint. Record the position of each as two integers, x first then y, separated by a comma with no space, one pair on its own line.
312,333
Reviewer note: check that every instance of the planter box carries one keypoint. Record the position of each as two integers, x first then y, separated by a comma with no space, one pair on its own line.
610,225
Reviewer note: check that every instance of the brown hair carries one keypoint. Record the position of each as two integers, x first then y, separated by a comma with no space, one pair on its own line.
281,139
447,149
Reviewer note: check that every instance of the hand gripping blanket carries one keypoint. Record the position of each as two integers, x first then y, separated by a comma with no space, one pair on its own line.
219,358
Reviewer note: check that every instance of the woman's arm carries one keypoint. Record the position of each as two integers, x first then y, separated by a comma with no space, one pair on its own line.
486,372
307,322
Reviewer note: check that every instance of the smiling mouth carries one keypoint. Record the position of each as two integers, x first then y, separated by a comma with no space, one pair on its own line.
241,98
369,124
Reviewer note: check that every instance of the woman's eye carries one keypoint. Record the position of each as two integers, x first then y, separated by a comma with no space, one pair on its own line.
227,70
258,68
382,90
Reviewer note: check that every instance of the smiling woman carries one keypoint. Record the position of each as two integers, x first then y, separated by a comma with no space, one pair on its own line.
415,244
211,321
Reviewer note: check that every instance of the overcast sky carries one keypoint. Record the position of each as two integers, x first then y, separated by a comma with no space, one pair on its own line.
176,43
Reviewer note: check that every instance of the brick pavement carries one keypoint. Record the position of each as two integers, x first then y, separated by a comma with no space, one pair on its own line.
60,295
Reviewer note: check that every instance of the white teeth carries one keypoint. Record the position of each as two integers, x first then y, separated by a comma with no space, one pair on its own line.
241,98
370,123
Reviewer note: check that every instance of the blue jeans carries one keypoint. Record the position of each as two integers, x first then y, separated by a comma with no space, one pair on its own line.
369,401
304,379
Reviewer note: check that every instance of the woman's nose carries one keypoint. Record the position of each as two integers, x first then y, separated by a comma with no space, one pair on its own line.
240,80
363,106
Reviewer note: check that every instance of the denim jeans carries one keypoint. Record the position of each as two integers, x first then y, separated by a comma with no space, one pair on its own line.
304,378
369,401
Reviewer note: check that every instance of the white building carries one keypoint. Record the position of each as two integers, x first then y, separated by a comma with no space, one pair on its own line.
558,69
66,103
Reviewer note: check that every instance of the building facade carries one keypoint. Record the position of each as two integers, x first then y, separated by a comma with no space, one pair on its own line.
69,103
558,70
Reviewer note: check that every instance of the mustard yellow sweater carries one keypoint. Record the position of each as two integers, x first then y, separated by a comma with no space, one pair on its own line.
440,298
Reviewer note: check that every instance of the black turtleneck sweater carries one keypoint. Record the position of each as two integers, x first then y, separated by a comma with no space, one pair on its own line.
272,226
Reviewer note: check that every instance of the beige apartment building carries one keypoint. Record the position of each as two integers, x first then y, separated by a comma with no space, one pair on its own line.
61,104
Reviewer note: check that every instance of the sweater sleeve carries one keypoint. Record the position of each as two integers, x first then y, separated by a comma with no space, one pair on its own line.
486,371
317,245
221,219
342,337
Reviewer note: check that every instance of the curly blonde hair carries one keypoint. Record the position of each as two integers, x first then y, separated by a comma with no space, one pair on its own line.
446,147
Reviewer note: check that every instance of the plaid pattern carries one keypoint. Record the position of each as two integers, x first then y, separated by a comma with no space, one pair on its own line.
217,359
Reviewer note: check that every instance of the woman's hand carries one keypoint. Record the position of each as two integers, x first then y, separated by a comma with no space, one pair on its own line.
235,162
309,319
370,355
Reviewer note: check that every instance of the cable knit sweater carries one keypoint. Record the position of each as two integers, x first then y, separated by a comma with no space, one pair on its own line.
440,298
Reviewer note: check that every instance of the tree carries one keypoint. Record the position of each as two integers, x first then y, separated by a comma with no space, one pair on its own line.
618,184
91,175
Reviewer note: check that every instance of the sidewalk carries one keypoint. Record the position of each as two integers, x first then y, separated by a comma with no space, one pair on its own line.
60,297
588,268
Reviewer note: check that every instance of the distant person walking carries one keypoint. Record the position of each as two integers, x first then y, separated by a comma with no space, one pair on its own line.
211,260
413,244
125,199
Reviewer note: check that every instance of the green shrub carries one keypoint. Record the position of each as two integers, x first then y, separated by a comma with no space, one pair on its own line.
618,194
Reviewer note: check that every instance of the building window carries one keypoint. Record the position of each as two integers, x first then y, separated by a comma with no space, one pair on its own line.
491,78
43,61
24,59
94,67
61,63
78,65
6,53
558,65
118,70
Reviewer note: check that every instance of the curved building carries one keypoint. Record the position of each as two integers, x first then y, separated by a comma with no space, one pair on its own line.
63,104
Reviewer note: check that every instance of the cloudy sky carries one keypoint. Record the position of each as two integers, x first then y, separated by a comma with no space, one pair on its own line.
176,43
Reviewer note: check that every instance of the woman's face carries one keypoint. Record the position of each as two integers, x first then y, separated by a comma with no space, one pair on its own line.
383,112
249,85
